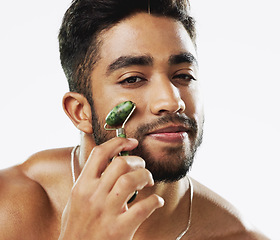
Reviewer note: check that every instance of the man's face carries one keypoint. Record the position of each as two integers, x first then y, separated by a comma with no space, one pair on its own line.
152,62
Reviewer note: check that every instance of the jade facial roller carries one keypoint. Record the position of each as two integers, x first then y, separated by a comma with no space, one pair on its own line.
117,117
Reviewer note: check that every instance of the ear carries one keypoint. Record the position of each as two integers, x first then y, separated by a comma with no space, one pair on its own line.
78,110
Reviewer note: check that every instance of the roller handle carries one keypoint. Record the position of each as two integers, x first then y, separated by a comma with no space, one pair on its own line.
121,133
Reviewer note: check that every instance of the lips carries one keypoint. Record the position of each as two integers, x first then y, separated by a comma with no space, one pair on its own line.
170,134
170,129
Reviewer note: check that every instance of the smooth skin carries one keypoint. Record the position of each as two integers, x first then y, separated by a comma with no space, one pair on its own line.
38,199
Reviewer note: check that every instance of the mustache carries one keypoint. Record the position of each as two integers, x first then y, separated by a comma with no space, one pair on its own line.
181,119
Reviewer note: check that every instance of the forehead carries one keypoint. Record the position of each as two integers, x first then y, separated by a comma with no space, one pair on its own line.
144,34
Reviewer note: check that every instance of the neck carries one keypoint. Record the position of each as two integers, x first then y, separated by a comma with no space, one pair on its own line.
175,210
173,193
86,146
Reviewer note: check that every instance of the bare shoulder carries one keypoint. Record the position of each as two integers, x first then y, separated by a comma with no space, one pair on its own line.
221,220
28,203
19,203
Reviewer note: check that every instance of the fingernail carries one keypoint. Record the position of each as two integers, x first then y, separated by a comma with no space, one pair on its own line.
133,140
161,201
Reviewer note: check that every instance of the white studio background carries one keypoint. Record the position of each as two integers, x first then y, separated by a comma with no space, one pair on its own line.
239,51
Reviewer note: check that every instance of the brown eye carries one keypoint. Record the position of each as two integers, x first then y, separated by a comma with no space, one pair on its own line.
185,77
132,80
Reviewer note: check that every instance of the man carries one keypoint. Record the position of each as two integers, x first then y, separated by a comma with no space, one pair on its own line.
114,51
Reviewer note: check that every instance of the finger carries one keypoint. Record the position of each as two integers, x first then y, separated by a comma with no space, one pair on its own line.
125,187
140,211
100,156
119,166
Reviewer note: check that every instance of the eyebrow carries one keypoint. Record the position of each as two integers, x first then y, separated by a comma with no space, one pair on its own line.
127,61
145,60
185,57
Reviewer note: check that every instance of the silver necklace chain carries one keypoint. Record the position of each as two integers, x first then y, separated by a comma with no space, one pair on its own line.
189,180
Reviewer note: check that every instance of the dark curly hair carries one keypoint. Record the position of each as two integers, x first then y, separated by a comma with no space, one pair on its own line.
86,19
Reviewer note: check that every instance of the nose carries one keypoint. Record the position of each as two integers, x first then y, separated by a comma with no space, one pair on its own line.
165,98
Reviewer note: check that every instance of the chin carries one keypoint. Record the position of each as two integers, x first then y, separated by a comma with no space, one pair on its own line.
168,165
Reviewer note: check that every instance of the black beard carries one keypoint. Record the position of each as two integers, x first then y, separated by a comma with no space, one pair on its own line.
179,160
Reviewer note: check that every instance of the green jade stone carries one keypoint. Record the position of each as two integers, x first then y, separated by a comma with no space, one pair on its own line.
119,113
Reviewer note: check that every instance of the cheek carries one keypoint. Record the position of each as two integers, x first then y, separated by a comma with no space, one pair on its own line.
104,101
101,110
192,101
198,99
194,106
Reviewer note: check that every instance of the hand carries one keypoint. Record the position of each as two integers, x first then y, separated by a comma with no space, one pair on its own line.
97,208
